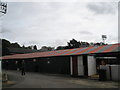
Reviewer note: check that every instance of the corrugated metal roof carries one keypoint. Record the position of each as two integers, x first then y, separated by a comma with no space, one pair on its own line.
67,52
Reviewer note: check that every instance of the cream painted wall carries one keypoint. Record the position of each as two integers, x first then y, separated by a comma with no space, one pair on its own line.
80,66
91,65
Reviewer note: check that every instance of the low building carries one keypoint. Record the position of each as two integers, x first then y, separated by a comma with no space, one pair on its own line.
75,62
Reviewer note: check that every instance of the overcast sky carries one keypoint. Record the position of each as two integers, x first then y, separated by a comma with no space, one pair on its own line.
55,23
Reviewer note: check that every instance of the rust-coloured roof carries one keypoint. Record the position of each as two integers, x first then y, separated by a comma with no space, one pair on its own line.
67,52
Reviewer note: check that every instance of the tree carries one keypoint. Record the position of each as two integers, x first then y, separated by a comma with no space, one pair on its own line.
60,48
84,44
23,46
73,44
45,48
29,47
35,47
5,44
16,45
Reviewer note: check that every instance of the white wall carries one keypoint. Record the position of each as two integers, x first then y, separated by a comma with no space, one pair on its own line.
80,66
115,72
91,65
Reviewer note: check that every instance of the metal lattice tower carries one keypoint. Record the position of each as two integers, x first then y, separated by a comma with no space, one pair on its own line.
104,37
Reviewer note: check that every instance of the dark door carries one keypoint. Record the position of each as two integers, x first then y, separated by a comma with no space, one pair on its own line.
85,63
74,65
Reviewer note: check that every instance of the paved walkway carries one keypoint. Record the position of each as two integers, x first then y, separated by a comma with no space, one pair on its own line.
37,80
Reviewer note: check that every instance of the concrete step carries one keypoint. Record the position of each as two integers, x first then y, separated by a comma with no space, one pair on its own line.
95,76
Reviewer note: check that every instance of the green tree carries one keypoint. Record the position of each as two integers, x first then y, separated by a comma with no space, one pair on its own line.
73,44
46,48
35,47
60,48
5,44
15,45
23,46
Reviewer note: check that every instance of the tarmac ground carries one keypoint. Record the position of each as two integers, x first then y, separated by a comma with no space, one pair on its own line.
44,80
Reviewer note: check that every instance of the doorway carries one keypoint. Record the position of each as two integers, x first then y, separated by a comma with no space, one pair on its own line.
74,65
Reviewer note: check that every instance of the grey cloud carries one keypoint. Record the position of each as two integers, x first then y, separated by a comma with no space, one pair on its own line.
33,42
103,8
85,33
4,30
118,36
48,23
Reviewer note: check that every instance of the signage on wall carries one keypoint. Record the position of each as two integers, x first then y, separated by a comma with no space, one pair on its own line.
106,57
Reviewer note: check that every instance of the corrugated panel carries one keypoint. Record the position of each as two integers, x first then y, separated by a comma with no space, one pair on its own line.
97,49
110,49
65,51
77,51
83,51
